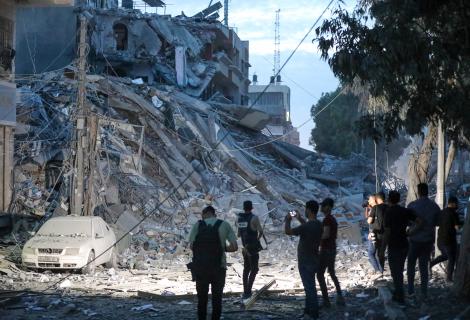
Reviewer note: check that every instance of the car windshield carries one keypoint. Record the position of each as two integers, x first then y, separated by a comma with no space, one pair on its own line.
66,228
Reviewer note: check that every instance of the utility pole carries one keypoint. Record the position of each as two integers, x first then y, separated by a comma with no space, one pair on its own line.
441,166
80,128
376,171
441,175
225,12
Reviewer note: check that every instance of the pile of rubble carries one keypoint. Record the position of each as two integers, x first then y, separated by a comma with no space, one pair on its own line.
151,139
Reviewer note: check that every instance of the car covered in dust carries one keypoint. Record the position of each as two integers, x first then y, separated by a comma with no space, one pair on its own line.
71,242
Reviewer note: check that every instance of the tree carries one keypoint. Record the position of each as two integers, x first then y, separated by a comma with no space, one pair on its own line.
415,54
335,131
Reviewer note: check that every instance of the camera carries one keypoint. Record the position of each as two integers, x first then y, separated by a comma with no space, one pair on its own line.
292,213
365,204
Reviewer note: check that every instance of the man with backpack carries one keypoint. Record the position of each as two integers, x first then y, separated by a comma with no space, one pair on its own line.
250,231
209,239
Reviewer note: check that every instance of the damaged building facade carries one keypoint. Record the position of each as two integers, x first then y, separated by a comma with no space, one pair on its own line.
202,57
7,98
9,10
37,50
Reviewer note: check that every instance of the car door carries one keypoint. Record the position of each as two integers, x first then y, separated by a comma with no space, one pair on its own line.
100,243
110,236
110,240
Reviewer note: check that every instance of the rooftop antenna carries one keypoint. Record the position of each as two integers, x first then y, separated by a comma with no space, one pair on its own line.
226,12
277,45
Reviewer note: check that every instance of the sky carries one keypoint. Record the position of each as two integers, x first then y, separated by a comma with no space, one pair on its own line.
306,74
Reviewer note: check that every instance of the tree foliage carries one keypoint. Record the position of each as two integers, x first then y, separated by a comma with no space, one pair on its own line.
414,53
335,129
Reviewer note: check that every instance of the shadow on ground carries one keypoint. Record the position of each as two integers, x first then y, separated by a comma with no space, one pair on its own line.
362,303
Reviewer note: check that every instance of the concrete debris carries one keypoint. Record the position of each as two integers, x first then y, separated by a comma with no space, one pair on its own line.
174,134
145,307
155,137
44,278
65,284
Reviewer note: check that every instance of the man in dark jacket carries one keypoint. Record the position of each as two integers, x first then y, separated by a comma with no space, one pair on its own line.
447,236
250,231
422,240
328,253
376,220
307,253
397,220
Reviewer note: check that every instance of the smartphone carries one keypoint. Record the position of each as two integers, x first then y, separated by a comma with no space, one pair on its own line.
292,213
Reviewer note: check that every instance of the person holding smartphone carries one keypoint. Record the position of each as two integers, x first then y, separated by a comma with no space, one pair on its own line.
310,232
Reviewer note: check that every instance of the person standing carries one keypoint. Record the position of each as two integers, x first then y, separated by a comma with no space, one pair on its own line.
250,231
371,237
328,253
422,240
310,232
397,219
378,228
447,237
376,250
209,239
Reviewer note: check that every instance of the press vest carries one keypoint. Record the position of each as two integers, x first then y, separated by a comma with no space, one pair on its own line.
248,235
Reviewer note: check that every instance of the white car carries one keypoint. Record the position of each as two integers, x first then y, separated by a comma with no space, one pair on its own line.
71,242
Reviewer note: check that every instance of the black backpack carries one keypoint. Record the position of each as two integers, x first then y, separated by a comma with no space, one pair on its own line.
207,249
379,223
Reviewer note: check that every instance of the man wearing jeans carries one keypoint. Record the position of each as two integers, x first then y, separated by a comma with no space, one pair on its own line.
307,253
209,239
422,239
328,254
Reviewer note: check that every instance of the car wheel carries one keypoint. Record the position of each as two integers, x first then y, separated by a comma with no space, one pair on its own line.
90,266
113,260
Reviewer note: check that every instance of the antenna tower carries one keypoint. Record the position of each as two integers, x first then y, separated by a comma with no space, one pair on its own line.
226,12
277,44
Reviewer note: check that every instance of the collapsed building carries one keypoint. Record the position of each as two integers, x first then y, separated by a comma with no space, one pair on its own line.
170,96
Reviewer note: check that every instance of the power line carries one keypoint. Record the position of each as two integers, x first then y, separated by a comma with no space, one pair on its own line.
277,138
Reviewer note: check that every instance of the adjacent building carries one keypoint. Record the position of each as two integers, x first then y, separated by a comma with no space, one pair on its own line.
274,99
39,45
7,98
9,23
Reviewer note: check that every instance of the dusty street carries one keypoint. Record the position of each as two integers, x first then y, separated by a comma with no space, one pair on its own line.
166,292
362,303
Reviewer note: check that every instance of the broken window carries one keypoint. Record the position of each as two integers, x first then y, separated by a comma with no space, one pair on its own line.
120,34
